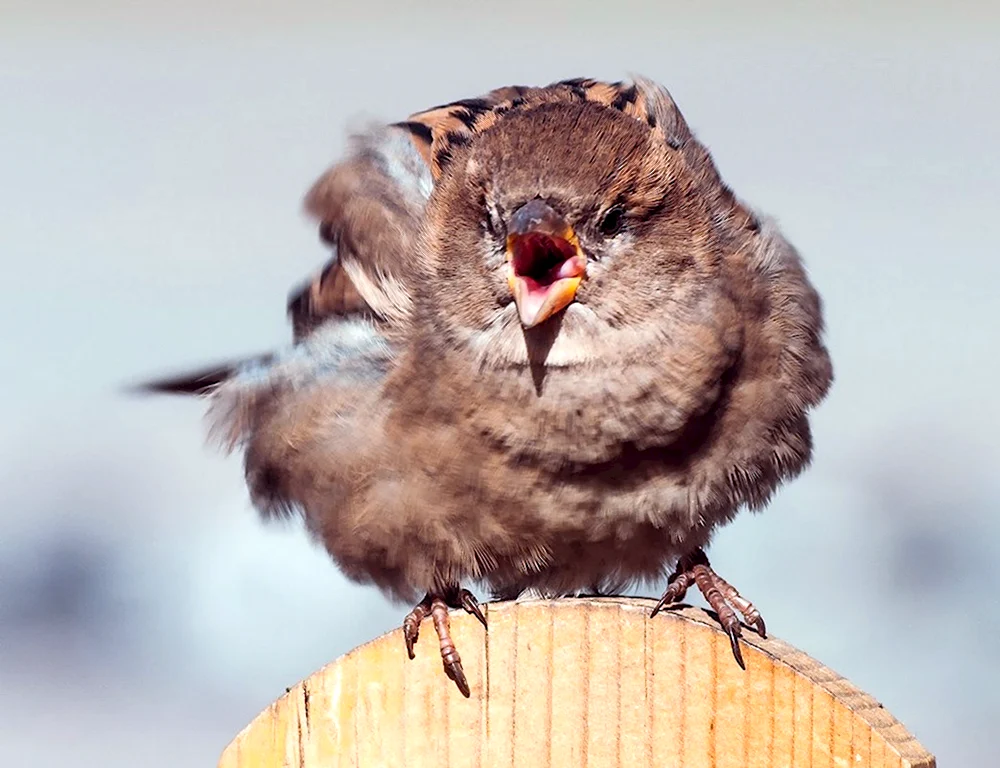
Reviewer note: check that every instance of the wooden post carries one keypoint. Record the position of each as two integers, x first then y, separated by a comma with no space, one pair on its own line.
577,682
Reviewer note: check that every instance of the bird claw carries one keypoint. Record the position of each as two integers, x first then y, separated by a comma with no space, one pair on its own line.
454,670
663,602
411,624
677,587
735,633
471,605
720,595
436,606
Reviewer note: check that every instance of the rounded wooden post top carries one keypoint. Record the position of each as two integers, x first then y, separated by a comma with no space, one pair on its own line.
577,682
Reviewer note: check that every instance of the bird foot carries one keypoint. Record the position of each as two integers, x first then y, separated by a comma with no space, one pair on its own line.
720,594
436,605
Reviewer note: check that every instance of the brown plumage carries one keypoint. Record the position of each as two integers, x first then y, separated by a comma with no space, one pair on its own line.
553,352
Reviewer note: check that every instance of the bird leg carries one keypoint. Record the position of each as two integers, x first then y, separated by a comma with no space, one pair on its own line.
436,605
722,596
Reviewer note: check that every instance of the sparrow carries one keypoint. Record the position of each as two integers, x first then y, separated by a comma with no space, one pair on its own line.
552,352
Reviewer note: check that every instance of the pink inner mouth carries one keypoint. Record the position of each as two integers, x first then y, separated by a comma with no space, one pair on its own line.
543,272
539,260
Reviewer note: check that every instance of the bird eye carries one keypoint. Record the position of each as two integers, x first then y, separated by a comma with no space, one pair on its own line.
612,222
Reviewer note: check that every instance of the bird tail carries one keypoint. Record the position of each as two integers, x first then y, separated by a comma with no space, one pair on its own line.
199,382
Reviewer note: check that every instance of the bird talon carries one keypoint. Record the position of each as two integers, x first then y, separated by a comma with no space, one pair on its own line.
721,596
455,672
667,599
677,587
734,640
471,605
436,606
411,624
659,606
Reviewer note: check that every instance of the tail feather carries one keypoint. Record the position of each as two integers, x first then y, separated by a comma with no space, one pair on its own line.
199,382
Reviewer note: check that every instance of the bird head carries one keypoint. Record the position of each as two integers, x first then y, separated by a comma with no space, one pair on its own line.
572,219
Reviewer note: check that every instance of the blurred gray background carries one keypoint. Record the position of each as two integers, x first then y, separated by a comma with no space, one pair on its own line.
152,160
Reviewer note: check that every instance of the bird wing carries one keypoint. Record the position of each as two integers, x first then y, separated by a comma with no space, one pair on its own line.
369,207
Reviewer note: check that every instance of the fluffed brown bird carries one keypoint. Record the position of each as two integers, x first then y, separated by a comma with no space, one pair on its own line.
553,351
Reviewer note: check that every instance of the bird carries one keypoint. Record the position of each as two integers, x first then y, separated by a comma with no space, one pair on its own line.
551,353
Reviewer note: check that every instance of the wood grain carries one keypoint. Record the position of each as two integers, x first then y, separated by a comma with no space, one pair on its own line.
583,682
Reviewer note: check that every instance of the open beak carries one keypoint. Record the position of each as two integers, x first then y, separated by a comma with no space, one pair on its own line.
544,263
